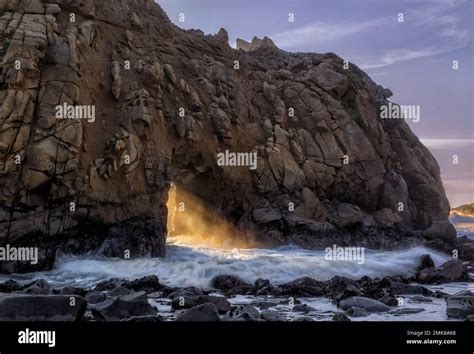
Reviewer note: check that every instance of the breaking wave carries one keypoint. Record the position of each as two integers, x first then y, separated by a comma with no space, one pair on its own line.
194,265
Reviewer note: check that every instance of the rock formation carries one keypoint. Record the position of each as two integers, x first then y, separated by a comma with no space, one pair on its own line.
165,102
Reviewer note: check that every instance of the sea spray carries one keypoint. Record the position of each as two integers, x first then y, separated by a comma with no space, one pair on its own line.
196,265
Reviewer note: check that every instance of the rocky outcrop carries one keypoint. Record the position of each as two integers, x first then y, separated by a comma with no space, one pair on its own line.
104,104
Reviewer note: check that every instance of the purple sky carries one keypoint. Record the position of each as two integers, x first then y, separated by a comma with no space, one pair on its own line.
413,58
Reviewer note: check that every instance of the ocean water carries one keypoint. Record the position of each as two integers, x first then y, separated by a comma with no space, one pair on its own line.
463,224
188,264
195,265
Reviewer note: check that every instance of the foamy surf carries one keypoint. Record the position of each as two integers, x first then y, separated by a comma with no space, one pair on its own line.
194,265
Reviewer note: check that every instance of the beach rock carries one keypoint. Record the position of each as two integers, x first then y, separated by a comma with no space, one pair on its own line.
200,313
398,288
10,286
242,313
187,302
135,296
154,318
271,316
39,287
357,312
303,308
448,272
94,297
68,290
339,288
119,291
421,299
369,305
118,309
407,311
443,230
388,300
109,284
460,305
304,287
426,262
189,291
340,317
263,287
149,284
19,307
230,283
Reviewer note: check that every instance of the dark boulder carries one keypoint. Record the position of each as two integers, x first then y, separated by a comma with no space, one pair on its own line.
365,303
94,297
187,302
149,284
425,262
39,287
460,305
340,317
200,313
304,287
303,308
119,291
118,309
271,316
232,283
450,271
263,287
242,313
73,291
20,307
189,291
10,286
109,284
357,312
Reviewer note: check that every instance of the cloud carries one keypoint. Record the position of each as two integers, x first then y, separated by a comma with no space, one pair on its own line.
323,32
400,55
442,20
447,143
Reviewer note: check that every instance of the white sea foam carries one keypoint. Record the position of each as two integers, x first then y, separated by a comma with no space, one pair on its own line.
187,265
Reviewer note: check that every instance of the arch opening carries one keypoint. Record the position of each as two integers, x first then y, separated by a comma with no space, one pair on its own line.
192,222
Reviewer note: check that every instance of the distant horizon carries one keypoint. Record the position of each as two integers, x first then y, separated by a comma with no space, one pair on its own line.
413,58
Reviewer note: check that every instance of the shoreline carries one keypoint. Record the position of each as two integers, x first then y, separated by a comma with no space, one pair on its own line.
230,298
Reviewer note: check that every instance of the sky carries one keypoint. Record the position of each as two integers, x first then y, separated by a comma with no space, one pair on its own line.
413,57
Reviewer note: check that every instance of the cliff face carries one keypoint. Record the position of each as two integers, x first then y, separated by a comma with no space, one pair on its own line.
166,102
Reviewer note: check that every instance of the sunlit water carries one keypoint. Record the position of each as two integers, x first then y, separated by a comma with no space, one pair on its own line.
194,265
464,225
188,264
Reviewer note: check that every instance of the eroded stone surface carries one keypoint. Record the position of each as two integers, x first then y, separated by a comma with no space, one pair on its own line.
166,102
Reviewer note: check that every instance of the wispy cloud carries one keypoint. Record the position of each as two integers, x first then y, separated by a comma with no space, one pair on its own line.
400,55
323,32
447,143
443,18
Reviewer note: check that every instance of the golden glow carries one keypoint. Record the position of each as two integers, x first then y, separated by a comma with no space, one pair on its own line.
190,222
